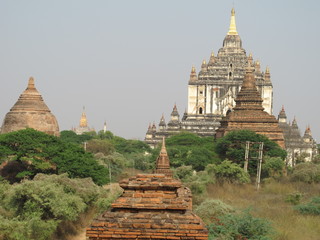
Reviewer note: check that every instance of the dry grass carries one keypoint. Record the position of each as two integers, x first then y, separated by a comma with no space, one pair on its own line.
269,203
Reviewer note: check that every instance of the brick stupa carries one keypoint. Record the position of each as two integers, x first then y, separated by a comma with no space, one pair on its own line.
30,111
248,114
152,206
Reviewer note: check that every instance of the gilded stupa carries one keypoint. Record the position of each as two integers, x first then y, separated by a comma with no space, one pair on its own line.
249,114
83,125
30,111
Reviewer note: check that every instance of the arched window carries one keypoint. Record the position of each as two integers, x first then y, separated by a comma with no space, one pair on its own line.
200,110
230,74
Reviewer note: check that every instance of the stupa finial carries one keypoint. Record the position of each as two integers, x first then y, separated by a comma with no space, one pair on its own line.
233,27
31,83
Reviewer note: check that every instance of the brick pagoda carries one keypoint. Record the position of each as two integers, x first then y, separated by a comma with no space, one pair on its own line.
152,206
249,114
30,111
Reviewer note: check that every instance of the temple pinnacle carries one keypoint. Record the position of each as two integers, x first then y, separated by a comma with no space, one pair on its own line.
233,27
31,83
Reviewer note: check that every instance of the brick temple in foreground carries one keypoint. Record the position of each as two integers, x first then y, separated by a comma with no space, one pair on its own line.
152,206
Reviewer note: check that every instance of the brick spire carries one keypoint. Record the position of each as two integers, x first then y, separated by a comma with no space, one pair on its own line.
249,114
163,163
249,96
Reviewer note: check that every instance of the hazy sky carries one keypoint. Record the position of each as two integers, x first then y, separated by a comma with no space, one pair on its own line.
129,61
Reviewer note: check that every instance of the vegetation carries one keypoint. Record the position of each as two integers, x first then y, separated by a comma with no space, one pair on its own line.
240,226
306,172
191,150
35,209
38,206
29,152
230,172
281,220
232,147
312,207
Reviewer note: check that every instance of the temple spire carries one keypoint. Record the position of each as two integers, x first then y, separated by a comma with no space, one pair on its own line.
163,163
233,27
31,83
83,120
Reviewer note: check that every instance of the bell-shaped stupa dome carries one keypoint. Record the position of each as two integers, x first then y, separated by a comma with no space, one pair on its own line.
30,111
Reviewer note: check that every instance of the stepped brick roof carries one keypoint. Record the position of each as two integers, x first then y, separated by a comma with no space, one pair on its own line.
152,206
30,111
248,114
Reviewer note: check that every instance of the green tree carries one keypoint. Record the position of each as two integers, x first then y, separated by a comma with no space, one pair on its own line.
125,146
189,149
105,135
232,147
72,137
29,152
100,146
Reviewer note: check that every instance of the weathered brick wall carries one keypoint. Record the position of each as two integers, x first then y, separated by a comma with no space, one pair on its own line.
152,206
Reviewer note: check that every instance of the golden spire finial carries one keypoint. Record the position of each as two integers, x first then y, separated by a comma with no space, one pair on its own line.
233,27
83,119
193,69
267,69
212,54
204,62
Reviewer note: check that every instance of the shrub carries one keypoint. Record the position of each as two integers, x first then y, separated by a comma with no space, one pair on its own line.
272,167
312,207
241,226
35,208
231,172
294,198
306,172
183,172
211,209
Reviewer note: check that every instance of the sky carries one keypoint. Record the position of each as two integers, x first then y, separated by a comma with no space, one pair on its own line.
128,62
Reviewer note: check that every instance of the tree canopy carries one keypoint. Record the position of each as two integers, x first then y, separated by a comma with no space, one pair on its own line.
190,149
232,146
28,152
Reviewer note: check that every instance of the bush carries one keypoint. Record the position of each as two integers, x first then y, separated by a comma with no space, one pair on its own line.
241,226
294,198
312,207
183,172
35,208
272,167
211,209
306,172
231,172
